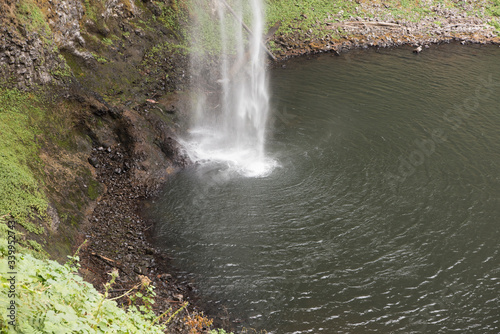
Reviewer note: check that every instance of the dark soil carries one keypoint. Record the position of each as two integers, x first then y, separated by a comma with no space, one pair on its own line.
132,168
118,238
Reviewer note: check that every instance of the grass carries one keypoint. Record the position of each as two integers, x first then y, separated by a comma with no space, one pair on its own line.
31,16
307,14
205,38
305,20
99,59
53,298
496,25
294,16
107,41
29,121
494,8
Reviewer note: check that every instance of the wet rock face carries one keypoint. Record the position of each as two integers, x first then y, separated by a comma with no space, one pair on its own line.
25,60
116,8
169,146
129,148
118,236
64,19
30,56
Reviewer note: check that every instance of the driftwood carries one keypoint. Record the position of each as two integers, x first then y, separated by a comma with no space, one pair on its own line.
272,30
110,262
370,23
365,24
103,257
237,66
246,28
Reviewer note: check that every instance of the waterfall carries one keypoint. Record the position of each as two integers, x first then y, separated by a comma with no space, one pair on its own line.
229,82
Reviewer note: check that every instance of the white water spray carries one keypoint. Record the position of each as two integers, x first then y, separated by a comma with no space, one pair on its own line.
232,102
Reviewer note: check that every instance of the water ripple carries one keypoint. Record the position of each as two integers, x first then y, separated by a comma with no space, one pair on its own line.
343,236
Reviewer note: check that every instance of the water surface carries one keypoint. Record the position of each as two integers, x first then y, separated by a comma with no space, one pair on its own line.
384,213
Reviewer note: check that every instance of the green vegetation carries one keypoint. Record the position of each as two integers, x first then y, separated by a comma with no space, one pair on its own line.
91,9
308,14
107,41
52,298
31,16
100,59
63,69
205,39
494,8
93,189
174,17
495,24
20,189
306,19
163,50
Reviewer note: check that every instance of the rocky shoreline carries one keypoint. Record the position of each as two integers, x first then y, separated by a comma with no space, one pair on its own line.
138,63
374,27
119,235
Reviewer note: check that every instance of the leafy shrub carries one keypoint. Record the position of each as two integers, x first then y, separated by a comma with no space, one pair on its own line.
52,298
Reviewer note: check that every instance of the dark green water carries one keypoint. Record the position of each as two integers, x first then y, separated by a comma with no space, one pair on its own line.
383,215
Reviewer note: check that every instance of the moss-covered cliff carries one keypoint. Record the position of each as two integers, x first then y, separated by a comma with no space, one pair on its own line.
92,93
89,102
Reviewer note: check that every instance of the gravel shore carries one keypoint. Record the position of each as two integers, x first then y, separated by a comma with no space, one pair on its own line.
375,26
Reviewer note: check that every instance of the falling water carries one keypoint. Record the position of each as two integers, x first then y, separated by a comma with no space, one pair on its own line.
231,99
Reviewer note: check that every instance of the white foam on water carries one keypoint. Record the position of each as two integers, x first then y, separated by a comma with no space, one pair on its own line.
247,162
234,131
